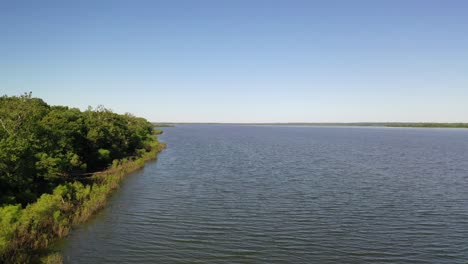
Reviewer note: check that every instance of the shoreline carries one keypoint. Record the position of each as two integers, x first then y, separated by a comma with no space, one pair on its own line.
53,216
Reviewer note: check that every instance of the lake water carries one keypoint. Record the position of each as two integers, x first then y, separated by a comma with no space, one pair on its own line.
285,194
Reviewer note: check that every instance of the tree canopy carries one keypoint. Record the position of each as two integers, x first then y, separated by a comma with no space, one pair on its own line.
42,146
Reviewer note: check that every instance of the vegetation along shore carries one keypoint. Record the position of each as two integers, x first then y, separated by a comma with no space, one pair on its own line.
58,165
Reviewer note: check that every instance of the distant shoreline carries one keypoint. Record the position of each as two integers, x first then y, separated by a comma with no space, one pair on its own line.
163,124
358,124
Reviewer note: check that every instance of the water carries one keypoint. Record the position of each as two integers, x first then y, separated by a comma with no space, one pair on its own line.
270,194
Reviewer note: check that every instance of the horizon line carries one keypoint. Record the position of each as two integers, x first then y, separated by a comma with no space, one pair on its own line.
312,123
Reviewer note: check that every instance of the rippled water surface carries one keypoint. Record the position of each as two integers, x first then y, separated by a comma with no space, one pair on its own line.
271,194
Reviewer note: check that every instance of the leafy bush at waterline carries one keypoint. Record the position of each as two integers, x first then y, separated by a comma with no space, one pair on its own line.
26,231
51,159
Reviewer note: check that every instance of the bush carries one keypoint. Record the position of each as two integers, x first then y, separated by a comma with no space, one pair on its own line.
44,151
24,232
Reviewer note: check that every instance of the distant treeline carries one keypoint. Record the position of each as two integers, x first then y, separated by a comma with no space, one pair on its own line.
447,125
51,162
163,125
364,124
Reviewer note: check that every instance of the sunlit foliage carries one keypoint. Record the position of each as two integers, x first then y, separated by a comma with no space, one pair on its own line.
42,146
57,167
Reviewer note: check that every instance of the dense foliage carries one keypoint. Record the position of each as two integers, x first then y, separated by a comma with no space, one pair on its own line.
42,146
51,162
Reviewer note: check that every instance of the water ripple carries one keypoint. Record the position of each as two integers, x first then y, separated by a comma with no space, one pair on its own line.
245,194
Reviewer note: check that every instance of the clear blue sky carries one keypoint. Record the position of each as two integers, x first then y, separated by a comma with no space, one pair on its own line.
242,61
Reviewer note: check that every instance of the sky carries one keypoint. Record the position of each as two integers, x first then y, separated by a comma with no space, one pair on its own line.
242,61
